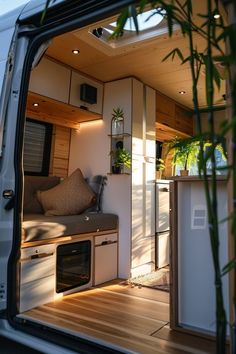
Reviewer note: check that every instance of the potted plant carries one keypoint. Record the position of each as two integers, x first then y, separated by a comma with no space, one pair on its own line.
185,154
121,159
160,166
117,122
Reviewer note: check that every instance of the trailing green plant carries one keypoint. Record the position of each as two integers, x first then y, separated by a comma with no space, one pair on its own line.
121,158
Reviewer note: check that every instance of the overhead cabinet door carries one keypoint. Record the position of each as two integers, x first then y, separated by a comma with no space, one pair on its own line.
51,80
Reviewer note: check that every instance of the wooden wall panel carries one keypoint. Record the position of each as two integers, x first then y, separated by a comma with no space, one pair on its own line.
60,151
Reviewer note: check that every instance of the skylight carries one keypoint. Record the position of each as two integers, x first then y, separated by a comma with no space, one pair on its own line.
145,20
152,24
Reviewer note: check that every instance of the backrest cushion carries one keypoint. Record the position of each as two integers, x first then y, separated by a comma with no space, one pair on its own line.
32,184
70,197
97,184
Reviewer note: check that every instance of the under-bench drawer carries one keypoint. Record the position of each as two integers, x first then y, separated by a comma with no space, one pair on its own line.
34,269
37,263
37,251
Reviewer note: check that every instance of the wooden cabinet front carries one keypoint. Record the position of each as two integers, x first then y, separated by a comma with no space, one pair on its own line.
165,109
170,114
183,120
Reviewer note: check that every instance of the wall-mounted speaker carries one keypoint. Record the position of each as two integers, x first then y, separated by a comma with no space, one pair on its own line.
88,93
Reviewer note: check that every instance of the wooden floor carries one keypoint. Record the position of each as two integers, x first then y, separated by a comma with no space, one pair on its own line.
132,318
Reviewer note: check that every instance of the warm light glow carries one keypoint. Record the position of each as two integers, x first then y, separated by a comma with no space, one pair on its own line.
75,51
35,104
216,16
182,92
96,122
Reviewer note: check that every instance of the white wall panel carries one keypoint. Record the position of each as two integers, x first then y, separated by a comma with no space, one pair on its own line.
90,148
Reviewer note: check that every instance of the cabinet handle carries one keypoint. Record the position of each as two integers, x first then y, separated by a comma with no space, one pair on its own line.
37,256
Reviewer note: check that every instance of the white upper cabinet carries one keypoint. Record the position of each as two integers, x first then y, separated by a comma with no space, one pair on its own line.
51,79
76,81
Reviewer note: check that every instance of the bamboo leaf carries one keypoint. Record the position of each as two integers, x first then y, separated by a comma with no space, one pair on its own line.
216,76
134,15
45,10
172,54
228,267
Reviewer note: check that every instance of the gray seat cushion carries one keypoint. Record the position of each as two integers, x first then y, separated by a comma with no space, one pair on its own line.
39,227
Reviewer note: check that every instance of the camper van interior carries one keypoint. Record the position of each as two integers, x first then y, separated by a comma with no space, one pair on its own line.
94,225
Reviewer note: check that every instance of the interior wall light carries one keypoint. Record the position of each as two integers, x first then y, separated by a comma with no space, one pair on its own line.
182,92
35,104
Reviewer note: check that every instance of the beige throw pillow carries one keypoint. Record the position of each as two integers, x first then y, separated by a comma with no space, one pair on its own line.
70,197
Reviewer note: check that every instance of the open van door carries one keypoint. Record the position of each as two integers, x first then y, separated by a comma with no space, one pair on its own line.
23,41
9,31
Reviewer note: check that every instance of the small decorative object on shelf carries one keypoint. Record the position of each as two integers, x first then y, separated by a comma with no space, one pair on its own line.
120,160
117,122
160,166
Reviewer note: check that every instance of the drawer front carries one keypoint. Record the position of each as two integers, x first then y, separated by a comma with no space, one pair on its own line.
109,238
37,293
37,269
34,251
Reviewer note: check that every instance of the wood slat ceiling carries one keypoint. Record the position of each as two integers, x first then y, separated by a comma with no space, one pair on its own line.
143,62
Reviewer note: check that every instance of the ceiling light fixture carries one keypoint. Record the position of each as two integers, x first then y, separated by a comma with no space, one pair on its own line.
75,51
216,15
35,104
182,92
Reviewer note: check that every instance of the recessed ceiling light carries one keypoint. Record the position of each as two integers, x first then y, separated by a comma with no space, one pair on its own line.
75,51
35,104
216,15
182,92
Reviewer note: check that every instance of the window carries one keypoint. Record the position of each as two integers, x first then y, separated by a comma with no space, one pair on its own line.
37,147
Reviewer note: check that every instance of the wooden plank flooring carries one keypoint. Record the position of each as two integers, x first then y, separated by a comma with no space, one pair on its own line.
132,318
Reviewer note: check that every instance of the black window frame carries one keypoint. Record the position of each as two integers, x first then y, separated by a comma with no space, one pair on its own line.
47,146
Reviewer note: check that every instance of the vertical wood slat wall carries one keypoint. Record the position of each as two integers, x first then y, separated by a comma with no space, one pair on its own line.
60,151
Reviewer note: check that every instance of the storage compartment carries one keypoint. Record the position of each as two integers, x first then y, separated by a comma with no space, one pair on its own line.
36,293
37,276
105,263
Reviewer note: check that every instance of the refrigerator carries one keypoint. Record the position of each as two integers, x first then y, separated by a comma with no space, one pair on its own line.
162,223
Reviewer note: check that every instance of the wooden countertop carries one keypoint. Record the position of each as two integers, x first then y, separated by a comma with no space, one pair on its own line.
194,178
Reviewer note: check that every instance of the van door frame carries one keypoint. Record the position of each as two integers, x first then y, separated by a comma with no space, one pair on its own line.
29,40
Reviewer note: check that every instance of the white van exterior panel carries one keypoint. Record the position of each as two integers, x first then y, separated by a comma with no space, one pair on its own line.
35,6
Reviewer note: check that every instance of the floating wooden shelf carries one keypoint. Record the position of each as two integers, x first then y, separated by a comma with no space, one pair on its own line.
120,136
118,174
56,112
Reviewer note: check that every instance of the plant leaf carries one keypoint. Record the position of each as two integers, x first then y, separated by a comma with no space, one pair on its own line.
228,267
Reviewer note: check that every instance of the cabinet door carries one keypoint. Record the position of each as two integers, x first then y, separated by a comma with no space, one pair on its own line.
76,81
183,120
52,80
36,293
105,265
165,110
